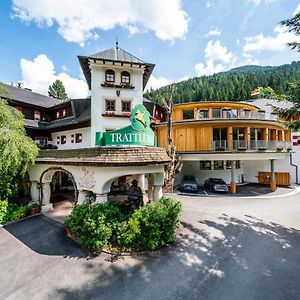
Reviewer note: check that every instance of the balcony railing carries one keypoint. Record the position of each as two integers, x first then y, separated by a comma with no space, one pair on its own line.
234,114
243,145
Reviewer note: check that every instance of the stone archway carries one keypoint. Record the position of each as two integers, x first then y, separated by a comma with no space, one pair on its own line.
46,183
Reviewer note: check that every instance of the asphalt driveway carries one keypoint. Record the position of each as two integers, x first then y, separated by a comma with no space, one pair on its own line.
228,248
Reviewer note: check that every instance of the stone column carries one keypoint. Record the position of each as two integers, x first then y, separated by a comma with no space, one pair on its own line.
101,198
233,183
46,194
81,197
158,181
157,192
273,179
35,192
150,188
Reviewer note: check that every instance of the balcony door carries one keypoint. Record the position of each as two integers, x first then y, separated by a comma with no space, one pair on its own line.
238,136
220,138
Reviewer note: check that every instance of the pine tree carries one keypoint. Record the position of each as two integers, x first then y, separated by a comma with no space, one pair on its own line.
57,90
294,26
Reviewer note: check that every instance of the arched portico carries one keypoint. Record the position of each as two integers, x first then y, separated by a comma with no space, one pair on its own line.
41,189
94,170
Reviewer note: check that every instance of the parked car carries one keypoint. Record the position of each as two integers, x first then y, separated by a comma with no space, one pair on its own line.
216,185
189,183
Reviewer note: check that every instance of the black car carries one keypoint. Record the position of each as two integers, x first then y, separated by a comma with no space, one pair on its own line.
216,185
189,183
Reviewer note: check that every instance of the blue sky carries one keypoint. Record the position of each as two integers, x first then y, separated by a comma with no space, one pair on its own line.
40,40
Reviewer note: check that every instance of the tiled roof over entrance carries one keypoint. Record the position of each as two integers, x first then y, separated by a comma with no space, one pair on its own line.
106,156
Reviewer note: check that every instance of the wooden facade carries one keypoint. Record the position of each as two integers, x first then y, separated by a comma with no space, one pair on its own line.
204,134
281,178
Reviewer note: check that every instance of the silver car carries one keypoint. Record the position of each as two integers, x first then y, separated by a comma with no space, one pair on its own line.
189,184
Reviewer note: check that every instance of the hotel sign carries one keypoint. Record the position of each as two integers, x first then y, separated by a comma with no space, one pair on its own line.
139,133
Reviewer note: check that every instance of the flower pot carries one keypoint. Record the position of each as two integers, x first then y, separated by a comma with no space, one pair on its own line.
68,230
34,211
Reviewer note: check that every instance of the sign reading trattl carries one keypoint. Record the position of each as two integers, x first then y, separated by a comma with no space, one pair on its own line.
139,133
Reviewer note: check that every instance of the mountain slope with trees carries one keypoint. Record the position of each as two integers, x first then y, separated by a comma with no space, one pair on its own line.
233,85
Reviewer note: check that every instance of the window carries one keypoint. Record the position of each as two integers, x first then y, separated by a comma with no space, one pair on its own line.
125,77
78,138
110,105
57,140
37,116
72,138
126,106
237,164
188,114
218,165
61,113
205,165
63,139
217,113
110,76
202,114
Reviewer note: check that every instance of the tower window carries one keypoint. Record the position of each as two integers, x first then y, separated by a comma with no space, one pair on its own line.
110,105
110,76
125,77
126,106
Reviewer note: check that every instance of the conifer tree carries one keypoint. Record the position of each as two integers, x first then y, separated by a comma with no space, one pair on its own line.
57,90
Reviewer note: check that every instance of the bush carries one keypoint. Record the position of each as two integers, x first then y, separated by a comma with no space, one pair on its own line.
3,210
148,228
11,212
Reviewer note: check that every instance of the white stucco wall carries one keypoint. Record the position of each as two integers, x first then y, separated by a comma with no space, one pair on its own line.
96,179
86,138
249,170
99,94
296,156
193,168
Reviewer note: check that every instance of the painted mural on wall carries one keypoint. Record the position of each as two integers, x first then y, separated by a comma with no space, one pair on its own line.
138,133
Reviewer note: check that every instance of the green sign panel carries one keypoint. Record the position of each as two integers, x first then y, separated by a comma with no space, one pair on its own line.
139,133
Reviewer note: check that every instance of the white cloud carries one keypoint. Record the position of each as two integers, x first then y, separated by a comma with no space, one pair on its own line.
39,73
183,78
157,82
217,58
297,9
214,32
277,42
257,2
78,20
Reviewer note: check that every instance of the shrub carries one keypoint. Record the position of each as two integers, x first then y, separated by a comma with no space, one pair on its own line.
3,211
11,212
148,228
157,222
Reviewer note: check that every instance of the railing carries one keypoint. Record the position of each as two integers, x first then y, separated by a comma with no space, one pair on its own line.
244,145
234,114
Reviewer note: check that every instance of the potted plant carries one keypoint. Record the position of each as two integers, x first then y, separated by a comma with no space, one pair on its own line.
34,209
68,226
279,148
242,148
289,149
262,149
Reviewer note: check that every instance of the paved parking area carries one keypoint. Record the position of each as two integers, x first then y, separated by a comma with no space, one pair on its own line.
243,190
227,248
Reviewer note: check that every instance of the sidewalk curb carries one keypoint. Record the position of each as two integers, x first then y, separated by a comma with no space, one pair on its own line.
295,191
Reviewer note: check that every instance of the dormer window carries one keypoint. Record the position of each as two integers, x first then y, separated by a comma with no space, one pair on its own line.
109,76
125,77
61,113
